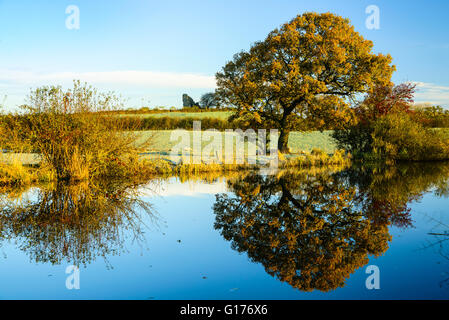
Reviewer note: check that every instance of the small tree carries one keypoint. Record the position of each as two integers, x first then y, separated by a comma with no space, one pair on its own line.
208,100
309,70
383,100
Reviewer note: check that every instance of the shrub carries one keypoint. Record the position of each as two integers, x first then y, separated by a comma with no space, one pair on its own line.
388,129
398,137
73,132
431,116
356,139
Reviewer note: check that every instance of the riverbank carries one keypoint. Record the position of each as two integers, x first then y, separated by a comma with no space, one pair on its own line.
17,173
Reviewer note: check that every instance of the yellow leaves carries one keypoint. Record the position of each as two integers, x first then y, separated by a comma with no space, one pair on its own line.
276,39
313,54
256,191
276,66
275,222
275,86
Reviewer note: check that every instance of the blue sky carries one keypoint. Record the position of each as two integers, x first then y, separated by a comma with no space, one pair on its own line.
151,52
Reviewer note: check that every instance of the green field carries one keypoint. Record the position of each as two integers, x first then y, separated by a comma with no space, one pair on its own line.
24,158
298,141
162,144
161,141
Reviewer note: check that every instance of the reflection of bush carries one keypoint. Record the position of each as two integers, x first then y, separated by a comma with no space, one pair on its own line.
386,191
73,223
312,230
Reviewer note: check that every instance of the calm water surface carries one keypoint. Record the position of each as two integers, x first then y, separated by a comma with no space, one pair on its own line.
292,235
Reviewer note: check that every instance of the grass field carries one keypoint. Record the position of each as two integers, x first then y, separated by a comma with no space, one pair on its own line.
162,144
24,158
298,141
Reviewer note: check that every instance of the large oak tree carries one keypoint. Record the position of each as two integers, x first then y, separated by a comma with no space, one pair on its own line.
307,71
305,229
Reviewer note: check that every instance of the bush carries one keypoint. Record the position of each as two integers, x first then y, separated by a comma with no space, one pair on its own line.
387,129
356,139
431,116
398,137
73,132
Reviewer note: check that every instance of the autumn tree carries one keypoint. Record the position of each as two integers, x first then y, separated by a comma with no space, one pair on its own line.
308,70
384,100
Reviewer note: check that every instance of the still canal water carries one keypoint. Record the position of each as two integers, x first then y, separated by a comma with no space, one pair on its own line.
303,234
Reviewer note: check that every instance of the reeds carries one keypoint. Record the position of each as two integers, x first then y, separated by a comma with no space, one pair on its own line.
17,174
317,158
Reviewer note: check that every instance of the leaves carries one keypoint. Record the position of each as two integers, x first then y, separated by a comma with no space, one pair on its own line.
311,59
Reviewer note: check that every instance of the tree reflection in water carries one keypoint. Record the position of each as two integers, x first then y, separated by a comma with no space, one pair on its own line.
74,223
312,230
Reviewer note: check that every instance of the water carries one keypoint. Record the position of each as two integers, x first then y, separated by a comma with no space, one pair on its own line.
296,235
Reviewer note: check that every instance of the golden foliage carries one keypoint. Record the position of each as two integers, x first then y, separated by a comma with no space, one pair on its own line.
304,73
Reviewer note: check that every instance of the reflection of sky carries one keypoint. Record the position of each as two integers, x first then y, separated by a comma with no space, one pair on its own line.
188,188
164,268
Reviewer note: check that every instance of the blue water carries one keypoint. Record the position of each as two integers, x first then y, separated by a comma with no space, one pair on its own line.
184,257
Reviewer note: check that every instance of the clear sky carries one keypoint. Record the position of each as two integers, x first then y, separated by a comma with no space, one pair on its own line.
151,52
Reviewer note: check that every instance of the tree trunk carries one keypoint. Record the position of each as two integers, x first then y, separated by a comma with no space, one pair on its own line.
284,129
283,141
